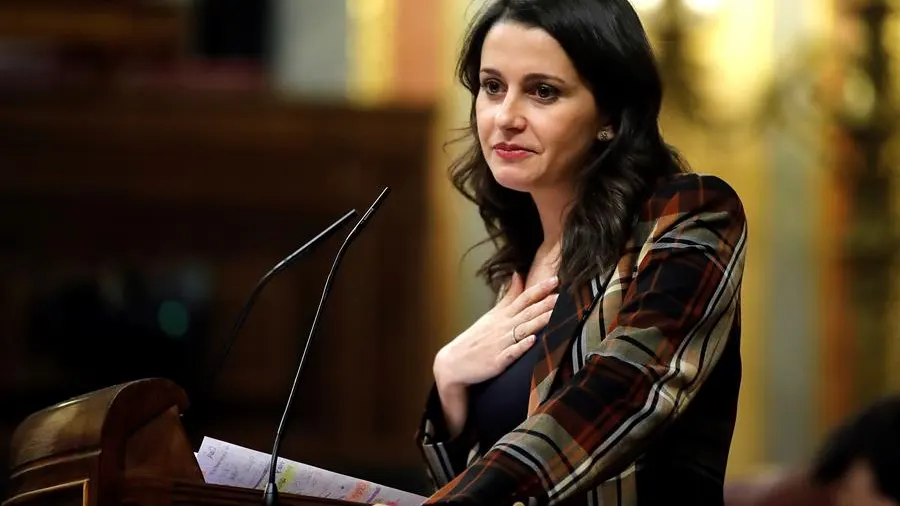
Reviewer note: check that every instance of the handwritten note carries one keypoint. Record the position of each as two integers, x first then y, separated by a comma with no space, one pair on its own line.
225,463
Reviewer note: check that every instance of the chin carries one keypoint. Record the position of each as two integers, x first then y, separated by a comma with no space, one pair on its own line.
513,178
522,175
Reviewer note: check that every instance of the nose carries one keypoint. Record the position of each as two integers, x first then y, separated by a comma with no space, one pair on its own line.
509,116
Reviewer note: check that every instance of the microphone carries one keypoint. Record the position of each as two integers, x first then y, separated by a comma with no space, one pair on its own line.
270,496
263,281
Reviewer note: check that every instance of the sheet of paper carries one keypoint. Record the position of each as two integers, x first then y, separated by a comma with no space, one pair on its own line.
225,463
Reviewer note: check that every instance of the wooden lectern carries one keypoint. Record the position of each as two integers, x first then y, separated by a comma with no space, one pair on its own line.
120,445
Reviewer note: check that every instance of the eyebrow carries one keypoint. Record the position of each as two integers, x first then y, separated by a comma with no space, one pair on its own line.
534,76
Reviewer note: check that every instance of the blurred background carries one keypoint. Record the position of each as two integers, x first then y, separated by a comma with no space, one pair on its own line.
158,156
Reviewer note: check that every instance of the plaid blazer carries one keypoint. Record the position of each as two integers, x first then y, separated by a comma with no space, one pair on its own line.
633,401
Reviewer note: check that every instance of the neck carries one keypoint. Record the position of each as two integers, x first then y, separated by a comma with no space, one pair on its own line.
553,207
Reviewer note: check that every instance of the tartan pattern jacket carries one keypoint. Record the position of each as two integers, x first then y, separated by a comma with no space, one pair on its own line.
633,401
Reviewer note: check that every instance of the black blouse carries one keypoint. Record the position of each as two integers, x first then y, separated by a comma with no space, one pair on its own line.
500,404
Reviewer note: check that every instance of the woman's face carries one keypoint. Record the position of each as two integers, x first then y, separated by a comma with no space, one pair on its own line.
536,118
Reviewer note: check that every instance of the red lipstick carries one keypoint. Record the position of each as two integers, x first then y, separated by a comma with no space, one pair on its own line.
511,152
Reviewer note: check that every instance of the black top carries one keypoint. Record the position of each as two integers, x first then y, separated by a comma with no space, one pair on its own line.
500,404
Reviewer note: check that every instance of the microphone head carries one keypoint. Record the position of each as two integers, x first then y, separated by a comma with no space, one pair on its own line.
381,196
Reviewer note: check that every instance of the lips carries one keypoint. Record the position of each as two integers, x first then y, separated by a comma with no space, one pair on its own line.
512,152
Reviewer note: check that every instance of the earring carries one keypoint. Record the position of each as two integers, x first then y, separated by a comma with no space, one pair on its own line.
604,135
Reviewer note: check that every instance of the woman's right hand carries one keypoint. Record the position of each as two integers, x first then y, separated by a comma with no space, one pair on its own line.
498,338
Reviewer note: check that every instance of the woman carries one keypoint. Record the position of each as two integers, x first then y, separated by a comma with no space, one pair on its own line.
608,371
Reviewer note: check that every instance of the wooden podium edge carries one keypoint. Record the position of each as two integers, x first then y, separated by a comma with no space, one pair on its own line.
123,444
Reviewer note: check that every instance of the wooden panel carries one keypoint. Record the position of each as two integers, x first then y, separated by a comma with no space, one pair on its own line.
117,26
66,494
93,184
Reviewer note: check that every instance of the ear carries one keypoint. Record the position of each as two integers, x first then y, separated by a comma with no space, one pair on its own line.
606,134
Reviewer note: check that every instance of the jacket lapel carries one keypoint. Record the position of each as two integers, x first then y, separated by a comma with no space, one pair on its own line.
572,307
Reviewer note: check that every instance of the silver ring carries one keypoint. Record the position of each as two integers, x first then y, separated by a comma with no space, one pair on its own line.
516,341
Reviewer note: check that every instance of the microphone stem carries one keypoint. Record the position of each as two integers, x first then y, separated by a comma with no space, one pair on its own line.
270,495
263,281
279,435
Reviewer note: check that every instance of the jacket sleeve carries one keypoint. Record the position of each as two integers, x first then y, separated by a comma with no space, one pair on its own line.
445,457
674,321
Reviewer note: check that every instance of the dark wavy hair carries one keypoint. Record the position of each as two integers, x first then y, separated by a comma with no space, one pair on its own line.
609,48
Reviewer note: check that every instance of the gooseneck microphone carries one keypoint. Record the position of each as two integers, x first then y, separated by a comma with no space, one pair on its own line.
263,281
270,495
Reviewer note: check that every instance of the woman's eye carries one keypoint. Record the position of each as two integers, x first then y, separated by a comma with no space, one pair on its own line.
491,87
546,92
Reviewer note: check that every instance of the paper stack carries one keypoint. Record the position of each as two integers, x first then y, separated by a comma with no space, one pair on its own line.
224,463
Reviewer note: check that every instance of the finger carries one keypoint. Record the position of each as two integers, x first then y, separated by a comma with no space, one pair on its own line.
512,353
537,309
533,294
516,285
534,325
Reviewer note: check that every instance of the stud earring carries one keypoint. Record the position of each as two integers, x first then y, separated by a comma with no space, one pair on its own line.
604,135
